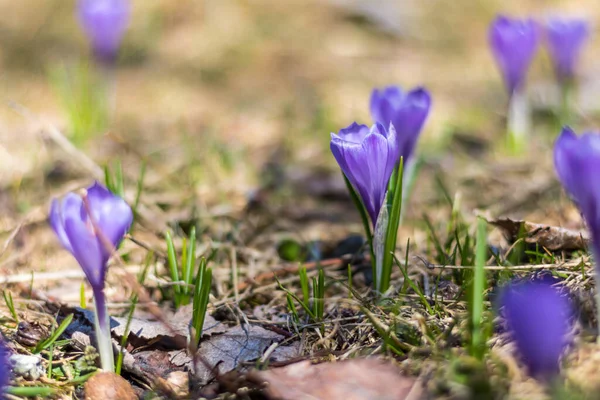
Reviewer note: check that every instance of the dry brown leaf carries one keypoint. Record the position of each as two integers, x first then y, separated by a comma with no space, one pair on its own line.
358,379
553,238
144,331
225,352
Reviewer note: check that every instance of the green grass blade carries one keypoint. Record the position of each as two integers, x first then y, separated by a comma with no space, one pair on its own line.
414,287
395,202
173,269
55,335
363,216
8,299
201,297
184,266
119,362
119,179
292,307
320,295
108,180
304,284
191,258
442,257
304,306
30,391
82,302
139,186
478,292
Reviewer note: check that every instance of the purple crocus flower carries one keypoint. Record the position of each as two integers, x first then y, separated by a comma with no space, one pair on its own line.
406,111
577,162
104,23
514,43
538,318
4,366
565,39
90,228
70,219
367,157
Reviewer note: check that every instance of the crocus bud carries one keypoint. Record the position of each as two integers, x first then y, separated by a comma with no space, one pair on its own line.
565,39
91,228
367,157
4,367
406,111
91,240
514,43
104,23
538,318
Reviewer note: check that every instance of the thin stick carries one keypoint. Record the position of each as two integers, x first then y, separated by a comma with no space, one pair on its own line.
55,276
234,274
57,137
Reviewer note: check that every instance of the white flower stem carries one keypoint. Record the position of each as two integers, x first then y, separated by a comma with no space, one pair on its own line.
103,337
109,82
566,97
517,122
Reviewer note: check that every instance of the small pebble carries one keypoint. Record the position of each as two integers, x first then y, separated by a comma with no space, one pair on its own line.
108,386
28,367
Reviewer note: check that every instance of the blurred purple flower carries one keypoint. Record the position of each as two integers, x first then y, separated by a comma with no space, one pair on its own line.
577,162
72,224
4,367
538,318
406,111
565,39
514,43
104,22
367,158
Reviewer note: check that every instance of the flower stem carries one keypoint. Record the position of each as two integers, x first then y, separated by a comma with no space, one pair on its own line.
566,95
517,122
109,86
102,326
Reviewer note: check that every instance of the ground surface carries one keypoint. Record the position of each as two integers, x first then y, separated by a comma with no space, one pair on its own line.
230,105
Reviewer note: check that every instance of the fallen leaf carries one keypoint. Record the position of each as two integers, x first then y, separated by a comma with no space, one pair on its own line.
553,238
145,331
357,379
159,363
225,352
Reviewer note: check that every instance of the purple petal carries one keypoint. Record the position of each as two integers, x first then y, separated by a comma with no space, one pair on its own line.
565,39
368,165
352,160
112,214
4,366
56,222
87,250
354,133
410,120
538,319
514,43
406,111
104,22
393,150
562,147
385,102
378,169
577,162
